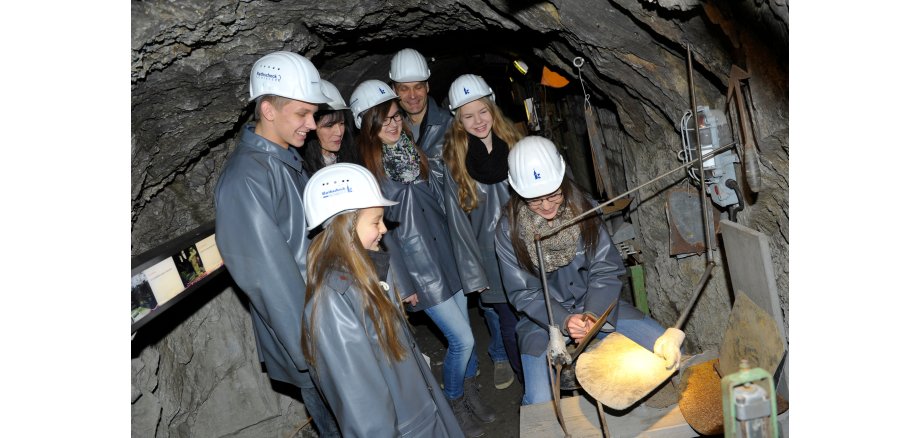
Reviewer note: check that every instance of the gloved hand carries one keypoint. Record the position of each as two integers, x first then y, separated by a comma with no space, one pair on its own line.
556,347
668,346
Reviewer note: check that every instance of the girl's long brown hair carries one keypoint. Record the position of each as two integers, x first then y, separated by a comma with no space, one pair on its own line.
371,148
457,144
338,247
573,198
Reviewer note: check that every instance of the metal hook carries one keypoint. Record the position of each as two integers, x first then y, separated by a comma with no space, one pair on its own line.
578,62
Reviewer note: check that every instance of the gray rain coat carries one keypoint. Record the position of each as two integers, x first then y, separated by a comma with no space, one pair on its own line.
371,396
419,241
431,137
478,226
588,284
262,236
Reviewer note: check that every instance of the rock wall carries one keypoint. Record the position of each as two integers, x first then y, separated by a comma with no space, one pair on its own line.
196,375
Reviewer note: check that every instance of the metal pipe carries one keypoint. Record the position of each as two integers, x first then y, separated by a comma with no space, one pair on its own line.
549,309
624,194
699,152
696,294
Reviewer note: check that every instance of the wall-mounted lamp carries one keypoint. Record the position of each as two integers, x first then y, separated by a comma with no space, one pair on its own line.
521,66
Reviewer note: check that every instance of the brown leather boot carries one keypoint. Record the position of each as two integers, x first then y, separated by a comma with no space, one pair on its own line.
482,411
468,423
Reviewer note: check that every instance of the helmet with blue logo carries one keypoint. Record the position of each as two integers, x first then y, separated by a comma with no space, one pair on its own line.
340,188
466,89
368,94
535,167
286,74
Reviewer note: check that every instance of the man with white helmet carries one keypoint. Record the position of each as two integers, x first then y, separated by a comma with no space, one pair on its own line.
427,121
261,228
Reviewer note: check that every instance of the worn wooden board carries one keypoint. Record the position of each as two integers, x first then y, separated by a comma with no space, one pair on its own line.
582,421
751,269
620,372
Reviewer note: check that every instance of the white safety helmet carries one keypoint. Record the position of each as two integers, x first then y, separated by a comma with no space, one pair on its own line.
535,167
408,65
337,102
286,74
466,89
340,188
368,94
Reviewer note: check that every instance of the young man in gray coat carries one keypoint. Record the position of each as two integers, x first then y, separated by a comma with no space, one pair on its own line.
261,228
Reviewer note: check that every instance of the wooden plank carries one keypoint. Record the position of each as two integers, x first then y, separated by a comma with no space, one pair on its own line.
581,420
751,269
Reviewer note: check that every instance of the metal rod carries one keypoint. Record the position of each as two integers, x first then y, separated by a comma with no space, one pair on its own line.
699,152
549,309
696,294
622,195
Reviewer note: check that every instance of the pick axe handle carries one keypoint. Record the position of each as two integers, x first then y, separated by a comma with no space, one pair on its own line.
594,329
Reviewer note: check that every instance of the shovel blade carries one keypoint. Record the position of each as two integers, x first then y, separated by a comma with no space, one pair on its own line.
619,372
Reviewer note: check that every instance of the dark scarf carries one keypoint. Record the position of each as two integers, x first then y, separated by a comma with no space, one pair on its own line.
381,262
485,167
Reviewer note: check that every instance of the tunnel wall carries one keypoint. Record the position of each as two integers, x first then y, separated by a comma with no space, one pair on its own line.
189,71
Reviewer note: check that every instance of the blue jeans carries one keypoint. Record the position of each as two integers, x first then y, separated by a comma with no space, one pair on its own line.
496,346
452,318
537,388
322,417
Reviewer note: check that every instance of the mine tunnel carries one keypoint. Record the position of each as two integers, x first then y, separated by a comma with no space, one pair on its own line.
194,366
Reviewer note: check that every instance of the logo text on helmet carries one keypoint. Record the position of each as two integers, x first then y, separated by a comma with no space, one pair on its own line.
536,175
466,90
381,90
268,76
336,191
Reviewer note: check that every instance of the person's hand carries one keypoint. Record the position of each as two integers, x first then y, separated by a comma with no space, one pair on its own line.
578,325
668,346
412,300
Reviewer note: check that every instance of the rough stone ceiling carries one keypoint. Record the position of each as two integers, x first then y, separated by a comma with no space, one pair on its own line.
190,59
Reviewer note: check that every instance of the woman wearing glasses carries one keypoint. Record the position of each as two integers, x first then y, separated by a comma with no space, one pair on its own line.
420,242
581,263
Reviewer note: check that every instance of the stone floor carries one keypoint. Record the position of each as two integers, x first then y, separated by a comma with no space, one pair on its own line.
506,402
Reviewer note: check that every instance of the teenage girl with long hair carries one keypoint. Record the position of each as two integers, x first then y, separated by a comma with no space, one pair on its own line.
476,156
355,336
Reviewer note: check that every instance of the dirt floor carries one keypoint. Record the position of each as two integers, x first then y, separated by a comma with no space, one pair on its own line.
506,402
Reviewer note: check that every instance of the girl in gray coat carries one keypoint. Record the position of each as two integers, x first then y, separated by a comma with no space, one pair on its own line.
476,156
355,336
582,265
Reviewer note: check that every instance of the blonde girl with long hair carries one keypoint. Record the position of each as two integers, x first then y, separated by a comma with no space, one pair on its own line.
476,156
355,336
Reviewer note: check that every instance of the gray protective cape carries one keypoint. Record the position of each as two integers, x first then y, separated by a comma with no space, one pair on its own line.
262,237
370,395
588,284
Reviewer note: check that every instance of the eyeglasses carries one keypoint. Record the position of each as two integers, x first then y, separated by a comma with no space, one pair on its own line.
553,198
394,118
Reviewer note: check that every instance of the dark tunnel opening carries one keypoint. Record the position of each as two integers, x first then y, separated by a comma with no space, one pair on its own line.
556,113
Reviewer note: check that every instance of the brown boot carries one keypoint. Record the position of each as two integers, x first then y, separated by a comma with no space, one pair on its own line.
468,423
483,412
